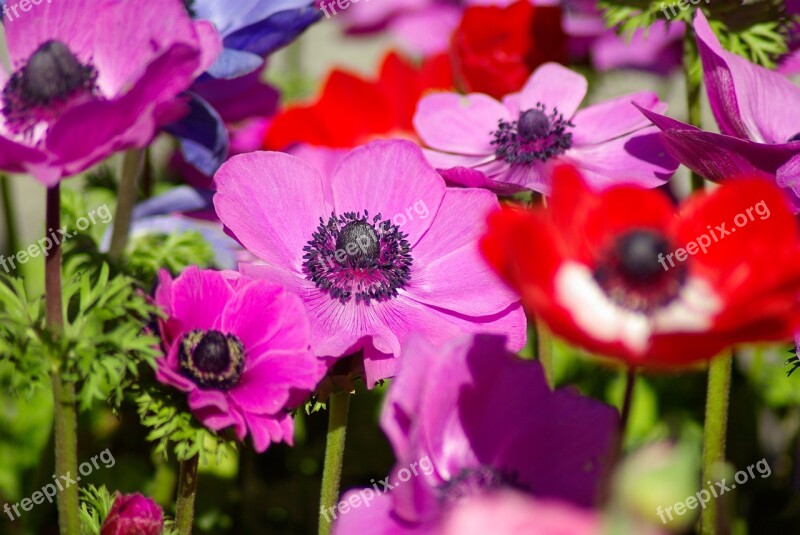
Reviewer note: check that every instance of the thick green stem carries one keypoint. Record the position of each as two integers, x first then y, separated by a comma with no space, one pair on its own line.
712,520
65,410
338,407
9,216
693,74
187,491
132,164
544,351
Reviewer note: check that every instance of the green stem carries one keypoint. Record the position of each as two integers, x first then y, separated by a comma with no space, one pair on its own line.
64,403
12,237
619,441
187,491
338,407
544,351
715,430
693,74
132,163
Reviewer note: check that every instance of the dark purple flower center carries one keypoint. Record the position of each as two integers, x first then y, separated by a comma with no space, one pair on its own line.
50,78
475,481
535,136
635,273
795,137
211,359
351,256
189,5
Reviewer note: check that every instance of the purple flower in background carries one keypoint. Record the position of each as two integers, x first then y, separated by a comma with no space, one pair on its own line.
133,514
252,29
377,251
515,145
758,114
469,418
239,349
89,78
224,117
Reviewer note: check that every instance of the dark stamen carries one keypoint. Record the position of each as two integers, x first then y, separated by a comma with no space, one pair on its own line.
212,359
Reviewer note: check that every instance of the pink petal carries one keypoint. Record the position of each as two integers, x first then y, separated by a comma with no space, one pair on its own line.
460,124
390,178
554,86
614,118
272,202
199,298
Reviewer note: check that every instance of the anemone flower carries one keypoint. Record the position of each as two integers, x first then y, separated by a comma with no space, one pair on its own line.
133,513
514,145
90,78
377,251
239,349
621,274
351,111
253,30
445,414
758,114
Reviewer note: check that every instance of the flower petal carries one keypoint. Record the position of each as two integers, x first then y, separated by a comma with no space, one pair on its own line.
460,124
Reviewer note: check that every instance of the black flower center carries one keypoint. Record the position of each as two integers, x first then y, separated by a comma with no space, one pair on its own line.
635,273
52,76
189,5
475,481
535,136
212,359
353,256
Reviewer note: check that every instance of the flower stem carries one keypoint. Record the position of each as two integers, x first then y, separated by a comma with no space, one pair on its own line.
715,431
132,164
338,407
693,74
544,351
64,404
187,491
12,238
619,441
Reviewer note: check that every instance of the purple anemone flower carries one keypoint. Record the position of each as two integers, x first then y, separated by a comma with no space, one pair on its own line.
89,78
252,29
469,418
133,514
377,251
758,114
515,145
239,349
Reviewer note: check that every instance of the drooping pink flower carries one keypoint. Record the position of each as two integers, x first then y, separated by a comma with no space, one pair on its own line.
377,251
468,419
515,145
133,514
92,77
239,349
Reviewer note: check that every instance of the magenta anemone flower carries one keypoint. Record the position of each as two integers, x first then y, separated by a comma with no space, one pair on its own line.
468,419
239,349
377,251
758,114
92,77
133,514
515,145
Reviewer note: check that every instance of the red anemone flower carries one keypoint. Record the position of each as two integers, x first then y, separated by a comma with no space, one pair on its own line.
352,111
621,273
495,49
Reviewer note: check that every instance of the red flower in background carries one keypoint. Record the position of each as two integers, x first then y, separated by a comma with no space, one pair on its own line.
621,274
495,49
352,111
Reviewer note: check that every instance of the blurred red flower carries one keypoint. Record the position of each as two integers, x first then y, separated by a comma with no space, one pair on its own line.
495,49
621,273
352,111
